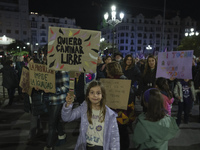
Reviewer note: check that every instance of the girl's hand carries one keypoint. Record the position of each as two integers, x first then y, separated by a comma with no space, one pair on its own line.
179,97
69,99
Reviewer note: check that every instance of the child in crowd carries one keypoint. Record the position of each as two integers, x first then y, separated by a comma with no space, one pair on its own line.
163,87
184,91
98,129
154,128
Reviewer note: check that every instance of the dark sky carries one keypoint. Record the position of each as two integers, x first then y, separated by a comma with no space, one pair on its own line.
89,13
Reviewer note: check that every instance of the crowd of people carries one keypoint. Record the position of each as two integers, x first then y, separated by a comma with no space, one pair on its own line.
102,127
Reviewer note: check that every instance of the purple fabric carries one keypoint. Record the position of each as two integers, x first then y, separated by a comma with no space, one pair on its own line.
111,131
147,94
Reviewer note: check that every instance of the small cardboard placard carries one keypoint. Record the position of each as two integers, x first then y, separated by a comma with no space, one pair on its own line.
24,81
42,77
117,92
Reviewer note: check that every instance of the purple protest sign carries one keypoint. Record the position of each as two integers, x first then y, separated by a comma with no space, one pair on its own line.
176,64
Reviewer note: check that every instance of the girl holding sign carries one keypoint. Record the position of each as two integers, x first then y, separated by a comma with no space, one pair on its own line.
98,129
125,117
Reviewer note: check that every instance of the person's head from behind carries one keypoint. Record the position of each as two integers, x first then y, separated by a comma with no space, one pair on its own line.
20,58
113,69
96,99
162,84
9,63
154,101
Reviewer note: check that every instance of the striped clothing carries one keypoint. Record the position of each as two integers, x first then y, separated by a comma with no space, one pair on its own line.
62,87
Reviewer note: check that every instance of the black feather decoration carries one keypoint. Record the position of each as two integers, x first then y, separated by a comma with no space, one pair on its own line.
88,38
61,31
52,64
95,50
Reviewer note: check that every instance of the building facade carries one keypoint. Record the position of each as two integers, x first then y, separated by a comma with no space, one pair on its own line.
16,22
140,34
14,19
39,26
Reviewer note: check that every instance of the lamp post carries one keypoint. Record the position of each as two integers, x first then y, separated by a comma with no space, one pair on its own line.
113,21
148,48
191,32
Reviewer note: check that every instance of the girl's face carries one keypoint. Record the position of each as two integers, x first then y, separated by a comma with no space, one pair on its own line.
128,61
108,60
152,63
95,95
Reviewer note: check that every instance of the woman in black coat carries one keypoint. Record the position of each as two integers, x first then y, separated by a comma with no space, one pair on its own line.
10,79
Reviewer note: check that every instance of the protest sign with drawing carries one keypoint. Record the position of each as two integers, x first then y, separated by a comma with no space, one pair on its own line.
24,81
42,77
117,92
175,64
73,49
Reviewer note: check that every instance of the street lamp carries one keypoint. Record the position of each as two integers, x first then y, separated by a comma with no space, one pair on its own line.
113,21
191,32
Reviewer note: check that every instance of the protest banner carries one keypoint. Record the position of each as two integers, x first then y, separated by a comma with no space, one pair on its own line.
175,64
73,49
117,92
24,81
42,77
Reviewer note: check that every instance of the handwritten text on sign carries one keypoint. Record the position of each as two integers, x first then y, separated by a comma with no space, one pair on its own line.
117,92
24,81
176,64
42,77
73,49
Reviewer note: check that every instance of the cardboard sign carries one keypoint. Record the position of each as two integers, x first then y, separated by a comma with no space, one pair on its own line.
117,92
24,81
42,77
176,64
73,49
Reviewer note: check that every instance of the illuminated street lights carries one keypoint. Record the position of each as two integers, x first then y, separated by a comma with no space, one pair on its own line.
113,21
191,32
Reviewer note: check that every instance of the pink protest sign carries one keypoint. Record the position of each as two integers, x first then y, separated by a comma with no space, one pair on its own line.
176,64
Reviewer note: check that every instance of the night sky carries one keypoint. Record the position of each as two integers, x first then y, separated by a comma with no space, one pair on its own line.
89,13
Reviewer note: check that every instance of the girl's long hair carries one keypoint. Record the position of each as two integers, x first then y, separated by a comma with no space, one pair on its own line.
102,102
163,85
155,109
147,68
125,59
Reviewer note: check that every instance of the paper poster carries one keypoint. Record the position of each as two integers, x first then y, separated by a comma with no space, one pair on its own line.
73,49
42,77
24,81
117,92
175,64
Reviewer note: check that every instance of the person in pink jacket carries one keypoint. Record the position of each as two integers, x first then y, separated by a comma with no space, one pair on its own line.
162,85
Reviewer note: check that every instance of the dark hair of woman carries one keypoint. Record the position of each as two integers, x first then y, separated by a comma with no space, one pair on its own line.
162,84
102,102
155,109
147,68
107,58
125,59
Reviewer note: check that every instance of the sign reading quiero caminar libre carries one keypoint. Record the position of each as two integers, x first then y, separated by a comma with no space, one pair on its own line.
42,77
73,49
175,64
